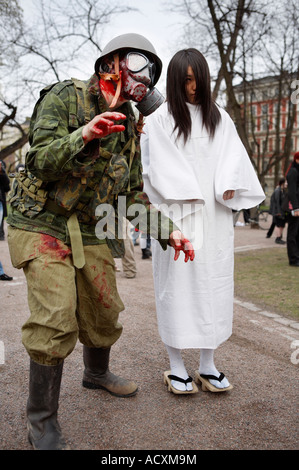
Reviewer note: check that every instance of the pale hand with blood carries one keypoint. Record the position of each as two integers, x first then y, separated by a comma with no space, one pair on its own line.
180,243
102,125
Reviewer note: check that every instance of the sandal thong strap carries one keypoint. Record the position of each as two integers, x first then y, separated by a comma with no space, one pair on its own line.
179,379
213,377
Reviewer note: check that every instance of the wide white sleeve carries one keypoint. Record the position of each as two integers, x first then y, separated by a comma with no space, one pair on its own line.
169,181
165,168
234,170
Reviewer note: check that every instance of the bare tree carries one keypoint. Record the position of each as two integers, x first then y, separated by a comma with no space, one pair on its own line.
282,57
62,39
10,22
245,40
63,34
10,25
227,32
279,55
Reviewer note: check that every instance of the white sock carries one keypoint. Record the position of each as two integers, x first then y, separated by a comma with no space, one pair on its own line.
178,368
207,366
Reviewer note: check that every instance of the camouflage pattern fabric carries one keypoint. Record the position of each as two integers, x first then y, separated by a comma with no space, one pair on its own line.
78,177
61,312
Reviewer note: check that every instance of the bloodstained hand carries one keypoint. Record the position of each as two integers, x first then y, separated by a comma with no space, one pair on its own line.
102,125
180,243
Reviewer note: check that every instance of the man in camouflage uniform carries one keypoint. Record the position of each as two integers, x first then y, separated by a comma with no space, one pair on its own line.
80,159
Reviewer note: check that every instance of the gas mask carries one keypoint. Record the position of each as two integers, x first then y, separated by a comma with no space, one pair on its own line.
134,76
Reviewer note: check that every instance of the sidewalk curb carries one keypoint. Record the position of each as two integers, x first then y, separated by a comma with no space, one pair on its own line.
275,316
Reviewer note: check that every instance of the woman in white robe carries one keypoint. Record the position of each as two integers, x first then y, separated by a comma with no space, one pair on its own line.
195,173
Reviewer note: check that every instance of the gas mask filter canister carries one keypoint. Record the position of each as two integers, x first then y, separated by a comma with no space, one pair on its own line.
151,101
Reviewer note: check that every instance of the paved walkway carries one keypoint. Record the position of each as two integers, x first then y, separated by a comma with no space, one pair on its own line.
260,359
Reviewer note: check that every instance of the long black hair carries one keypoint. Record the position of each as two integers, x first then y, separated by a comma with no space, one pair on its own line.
176,91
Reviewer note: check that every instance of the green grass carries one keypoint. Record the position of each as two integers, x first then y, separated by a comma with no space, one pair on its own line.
265,278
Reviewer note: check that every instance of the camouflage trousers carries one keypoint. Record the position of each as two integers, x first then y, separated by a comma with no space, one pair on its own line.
66,304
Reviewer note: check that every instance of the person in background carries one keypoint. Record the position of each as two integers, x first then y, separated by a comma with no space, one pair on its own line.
128,261
4,188
145,246
292,177
3,276
279,216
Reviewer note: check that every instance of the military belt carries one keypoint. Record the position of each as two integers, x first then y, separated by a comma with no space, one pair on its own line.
56,209
73,229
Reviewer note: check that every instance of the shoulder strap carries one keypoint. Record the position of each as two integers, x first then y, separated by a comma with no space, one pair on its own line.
73,119
83,100
42,93
80,105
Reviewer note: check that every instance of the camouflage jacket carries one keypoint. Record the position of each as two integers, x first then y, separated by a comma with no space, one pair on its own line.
66,176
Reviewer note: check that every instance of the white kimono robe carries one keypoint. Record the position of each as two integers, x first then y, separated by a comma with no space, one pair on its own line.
194,300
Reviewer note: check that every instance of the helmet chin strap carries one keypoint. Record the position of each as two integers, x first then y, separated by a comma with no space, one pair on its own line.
116,77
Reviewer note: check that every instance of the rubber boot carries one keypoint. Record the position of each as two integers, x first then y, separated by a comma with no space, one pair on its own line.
44,432
97,374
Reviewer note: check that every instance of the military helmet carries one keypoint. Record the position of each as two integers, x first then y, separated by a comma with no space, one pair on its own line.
131,41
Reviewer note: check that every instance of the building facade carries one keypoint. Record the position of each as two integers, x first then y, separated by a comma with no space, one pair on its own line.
271,119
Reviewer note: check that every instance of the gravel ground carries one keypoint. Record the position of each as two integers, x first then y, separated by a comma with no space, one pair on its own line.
260,413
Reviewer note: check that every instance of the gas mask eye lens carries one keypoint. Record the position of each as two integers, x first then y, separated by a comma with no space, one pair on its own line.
136,61
104,67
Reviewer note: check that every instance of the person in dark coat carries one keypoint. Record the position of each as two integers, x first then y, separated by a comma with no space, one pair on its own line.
293,218
4,188
279,219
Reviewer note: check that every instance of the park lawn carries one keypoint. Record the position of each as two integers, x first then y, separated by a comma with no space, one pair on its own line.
265,278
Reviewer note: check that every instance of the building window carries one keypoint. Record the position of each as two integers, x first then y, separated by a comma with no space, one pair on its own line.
258,109
264,124
253,110
264,109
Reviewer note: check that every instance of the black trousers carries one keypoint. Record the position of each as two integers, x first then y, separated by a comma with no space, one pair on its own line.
2,229
293,239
